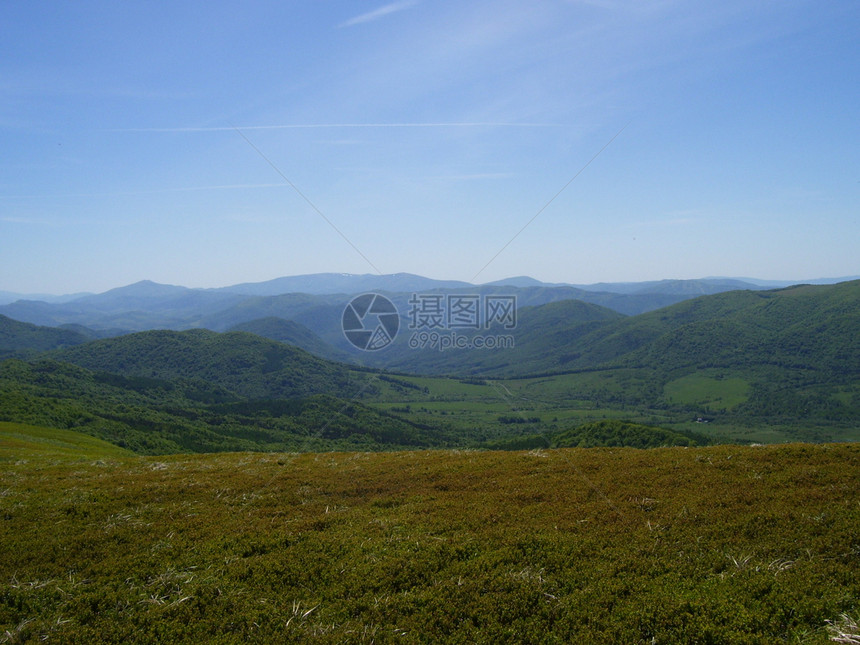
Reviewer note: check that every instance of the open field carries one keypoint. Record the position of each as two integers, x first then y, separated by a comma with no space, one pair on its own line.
20,441
472,408
720,544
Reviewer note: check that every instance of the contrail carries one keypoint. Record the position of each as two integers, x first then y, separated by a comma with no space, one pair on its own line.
376,14
154,191
320,126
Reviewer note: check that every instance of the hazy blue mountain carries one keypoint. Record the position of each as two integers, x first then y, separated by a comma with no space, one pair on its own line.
136,307
347,283
523,281
157,297
689,288
776,284
7,297
148,305
133,294
697,287
293,333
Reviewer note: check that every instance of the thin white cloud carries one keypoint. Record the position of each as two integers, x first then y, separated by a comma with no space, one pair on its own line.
299,126
248,218
678,218
13,219
157,191
381,12
475,175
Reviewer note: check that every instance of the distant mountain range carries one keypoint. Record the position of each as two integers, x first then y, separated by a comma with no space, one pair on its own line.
10,296
348,283
811,327
313,300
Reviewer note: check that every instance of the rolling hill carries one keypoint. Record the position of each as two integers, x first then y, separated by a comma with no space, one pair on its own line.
541,331
28,441
784,361
808,327
19,338
292,333
150,415
243,363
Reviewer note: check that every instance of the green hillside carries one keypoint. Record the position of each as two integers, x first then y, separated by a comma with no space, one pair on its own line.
788,356
763,366
804,327
18,338
18,440
541,331
153,416
613,433
243,363
292,333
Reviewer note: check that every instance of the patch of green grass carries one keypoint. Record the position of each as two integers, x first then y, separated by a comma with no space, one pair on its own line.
707,391
723,545
18,440
848,394
446,388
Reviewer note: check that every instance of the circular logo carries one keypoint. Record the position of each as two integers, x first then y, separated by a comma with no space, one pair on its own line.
370,321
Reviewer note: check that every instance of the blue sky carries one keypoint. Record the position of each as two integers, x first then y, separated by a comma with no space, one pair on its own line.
151,140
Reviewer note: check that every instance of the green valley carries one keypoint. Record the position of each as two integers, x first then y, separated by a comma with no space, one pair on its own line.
746,366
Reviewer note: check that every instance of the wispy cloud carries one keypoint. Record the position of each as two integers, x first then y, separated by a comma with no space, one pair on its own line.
13,219
157,191
381,12
300,126
475,175
251,218
672,219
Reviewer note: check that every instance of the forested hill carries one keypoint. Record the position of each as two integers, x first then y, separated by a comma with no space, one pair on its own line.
19,337
810,327
292,333
240,362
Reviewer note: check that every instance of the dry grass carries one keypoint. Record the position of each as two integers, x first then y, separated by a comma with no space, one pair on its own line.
720,545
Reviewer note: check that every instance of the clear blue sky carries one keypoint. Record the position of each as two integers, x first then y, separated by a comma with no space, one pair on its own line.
429,133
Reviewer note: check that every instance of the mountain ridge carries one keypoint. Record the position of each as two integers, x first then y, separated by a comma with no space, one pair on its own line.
326,284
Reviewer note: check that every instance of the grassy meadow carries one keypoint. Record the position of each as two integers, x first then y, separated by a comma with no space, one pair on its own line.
720,544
